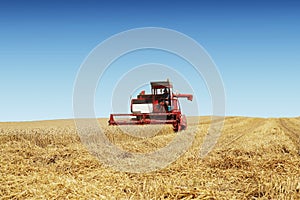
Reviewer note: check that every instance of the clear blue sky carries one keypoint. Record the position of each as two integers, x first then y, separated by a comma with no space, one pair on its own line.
256,46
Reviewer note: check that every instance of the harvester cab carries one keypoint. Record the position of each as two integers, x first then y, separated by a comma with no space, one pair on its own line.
159,107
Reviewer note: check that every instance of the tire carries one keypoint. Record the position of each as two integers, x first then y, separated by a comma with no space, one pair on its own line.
180,126
176,127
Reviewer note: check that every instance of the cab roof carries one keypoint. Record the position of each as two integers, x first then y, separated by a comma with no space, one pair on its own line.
161,84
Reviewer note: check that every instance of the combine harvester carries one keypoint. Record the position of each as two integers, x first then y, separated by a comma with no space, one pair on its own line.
159,107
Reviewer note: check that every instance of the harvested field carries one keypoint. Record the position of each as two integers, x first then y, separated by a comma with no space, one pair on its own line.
255,158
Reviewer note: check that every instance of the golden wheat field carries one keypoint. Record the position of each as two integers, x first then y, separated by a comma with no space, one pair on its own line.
254,158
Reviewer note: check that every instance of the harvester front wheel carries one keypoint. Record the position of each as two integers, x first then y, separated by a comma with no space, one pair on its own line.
181,124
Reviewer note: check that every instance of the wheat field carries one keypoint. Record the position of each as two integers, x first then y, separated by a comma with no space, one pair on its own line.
254,158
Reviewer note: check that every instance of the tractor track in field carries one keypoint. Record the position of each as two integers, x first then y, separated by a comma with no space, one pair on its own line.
291,131
240,132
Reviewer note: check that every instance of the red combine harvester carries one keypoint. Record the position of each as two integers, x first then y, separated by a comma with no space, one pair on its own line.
159,107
